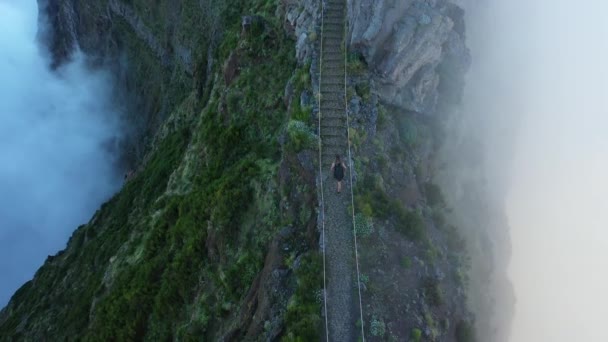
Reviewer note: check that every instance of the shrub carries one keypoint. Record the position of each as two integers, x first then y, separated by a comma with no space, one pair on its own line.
300,113
433,292
356,64
411,224
302,78
300,136
357,137
303,311
377,327
364,225
406,262
363,90
382,116
374,202
416,335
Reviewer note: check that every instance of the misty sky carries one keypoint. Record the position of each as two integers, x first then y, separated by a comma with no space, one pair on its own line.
539,82
54,168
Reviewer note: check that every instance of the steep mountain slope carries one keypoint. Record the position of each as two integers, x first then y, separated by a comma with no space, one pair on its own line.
214,234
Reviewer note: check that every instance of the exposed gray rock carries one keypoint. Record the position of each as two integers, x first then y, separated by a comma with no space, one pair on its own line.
404,43
306,99
303,18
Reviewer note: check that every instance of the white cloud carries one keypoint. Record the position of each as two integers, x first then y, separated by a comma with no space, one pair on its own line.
539,85
55,129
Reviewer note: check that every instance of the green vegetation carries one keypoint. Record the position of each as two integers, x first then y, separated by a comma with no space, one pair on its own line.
382,116
372,201
355,64
433,292
416,335
406,262
364,91
300,136
465,332
377,327
157,265
303,311
301,82
357,137
364,225
432,325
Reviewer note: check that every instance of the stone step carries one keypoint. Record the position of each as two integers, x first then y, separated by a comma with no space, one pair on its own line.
334,14
330,88
336,57
330,104
333,65
333,61
333,141
331,151
332,40
332,21
332,122
333,115
333,49
333,132
333,96
333,34
330,82
334,5
333,27
333,69
334,74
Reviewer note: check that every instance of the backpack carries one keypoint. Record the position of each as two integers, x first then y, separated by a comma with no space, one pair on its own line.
338,171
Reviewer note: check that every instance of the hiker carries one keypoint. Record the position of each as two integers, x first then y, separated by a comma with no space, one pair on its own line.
338,168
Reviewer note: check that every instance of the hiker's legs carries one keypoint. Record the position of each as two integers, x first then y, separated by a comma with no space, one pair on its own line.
339,186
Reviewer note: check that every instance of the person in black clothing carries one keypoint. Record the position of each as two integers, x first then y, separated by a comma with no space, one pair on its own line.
338,168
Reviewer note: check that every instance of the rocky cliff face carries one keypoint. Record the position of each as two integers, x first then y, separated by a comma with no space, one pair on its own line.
416,53
405,43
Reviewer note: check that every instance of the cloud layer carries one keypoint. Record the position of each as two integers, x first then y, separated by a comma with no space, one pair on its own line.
57,134
539,87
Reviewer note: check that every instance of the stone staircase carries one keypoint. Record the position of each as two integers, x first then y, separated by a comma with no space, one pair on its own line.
342,301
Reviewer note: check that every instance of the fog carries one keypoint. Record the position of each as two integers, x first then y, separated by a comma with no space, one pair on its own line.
538,91
57,133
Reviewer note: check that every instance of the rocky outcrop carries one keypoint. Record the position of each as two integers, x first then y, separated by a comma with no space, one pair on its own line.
302,18
57,29
404,42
